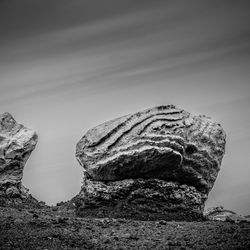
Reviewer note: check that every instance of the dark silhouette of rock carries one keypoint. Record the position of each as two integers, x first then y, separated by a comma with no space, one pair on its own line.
163,143
16,144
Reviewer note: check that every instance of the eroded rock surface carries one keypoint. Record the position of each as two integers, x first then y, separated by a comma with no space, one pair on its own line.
163,143
16,144
146,199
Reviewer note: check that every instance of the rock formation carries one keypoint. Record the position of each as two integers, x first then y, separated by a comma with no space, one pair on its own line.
222,214
16,144
158,163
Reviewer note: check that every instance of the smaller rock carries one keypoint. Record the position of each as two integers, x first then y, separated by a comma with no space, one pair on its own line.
106,239
94,241
221,214
126,235
236,218
61,220
162,222
16,144
18,221
213,210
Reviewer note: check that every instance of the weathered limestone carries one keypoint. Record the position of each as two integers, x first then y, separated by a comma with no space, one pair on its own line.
16,144
163,144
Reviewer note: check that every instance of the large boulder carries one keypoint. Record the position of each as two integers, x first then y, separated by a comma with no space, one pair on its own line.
163,143
16,144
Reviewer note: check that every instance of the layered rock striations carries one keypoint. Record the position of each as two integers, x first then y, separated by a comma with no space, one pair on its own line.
158,163
16,144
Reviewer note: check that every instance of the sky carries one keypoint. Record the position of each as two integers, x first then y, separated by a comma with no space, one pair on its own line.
66,66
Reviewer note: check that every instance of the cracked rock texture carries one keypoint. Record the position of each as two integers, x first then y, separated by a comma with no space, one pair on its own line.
16,144
143,199
162,143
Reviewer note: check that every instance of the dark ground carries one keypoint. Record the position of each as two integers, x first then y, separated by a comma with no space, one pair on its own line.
59,228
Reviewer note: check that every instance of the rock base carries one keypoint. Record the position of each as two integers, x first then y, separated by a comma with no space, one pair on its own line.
142,199
16,190
16,195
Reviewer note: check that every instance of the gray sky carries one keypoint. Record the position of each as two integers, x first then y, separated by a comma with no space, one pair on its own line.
66,66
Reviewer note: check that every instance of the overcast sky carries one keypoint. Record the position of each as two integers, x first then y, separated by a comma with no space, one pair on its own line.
66,66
